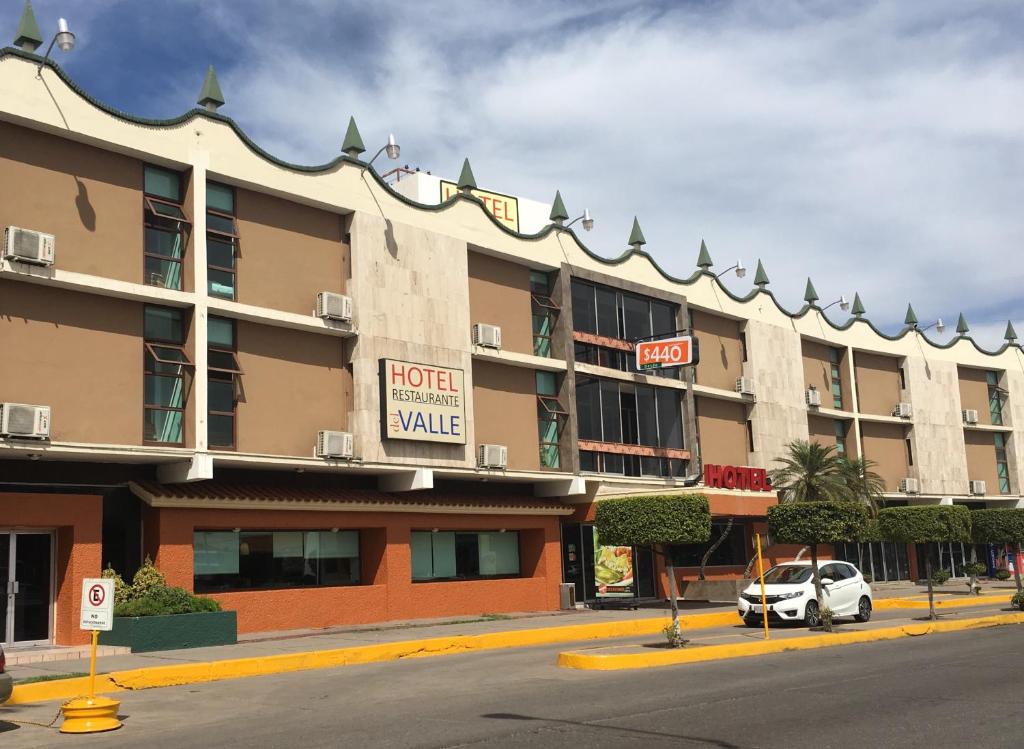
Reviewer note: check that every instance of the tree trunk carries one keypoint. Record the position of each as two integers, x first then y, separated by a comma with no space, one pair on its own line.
1016,568
672,596
715,545
931,589
973,588
800,554
819,594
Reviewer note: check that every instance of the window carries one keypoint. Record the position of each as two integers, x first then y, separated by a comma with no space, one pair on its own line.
733,550
550,417
221,240
1002,467
224,383
619,314
164,228
840,431
910,453
903,378
544,312
743,346
837,384
750,435
456,555
613,358
165,365
995,398
254,559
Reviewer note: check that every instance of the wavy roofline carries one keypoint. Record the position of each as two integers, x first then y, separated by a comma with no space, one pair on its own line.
626,256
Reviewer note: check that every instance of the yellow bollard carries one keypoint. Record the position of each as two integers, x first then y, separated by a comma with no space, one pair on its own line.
90,714
760,574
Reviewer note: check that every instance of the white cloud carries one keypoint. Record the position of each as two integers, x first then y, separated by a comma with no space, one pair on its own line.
873,146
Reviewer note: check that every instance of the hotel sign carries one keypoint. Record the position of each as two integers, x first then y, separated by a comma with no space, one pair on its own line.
737,477
422,402
504,208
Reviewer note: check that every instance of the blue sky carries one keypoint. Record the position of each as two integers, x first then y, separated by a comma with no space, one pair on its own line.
876,147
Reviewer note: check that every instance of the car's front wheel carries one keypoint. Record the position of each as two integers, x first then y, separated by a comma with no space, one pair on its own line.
812,617
863,609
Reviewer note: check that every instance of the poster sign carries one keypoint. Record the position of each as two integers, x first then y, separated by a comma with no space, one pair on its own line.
613,570
422,402
504,208
667,352
97,604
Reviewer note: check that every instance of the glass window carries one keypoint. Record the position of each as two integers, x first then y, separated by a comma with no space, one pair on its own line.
588,409
220,198
254,559
663,319
162,183
165,366
995,398
547,383
840,432
164,228
611,418
647,416
221,241
451,555
670,419
837,385
584,316
637,316
549,413
1002,467
163,324
221,332
732,551
222,385
607,312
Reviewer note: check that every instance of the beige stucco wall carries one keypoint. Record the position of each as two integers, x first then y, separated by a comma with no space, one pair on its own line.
499,294
937,435
721,353
505,410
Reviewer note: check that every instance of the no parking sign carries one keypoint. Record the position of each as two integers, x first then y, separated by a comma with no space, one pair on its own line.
97,604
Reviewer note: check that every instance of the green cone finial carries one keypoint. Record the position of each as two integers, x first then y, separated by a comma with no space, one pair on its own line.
353,143
211,96
911,318
1010,334
636,237
704,257
760,277
558,212
28,36
858,307
810,295
961,325
467,181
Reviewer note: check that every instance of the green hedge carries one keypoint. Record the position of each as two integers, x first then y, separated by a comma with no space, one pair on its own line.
925,524
164,599
809,523
998,526
653,520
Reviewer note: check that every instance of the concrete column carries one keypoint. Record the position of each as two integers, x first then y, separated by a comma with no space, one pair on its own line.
200,158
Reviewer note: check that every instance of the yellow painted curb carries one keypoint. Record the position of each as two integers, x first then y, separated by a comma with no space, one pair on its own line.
945,603
238,668
597,662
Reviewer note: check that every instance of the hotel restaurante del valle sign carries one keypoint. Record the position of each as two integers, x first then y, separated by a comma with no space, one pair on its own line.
422,402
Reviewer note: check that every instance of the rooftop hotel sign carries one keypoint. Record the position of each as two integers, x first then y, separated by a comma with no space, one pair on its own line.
422,402
504,208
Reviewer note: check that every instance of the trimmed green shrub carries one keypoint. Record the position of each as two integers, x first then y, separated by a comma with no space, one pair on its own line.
146,579
999,526
1002,574
925,524
940,576
161,600
654,520
812,523
1018,600
976,569
870,533
122,591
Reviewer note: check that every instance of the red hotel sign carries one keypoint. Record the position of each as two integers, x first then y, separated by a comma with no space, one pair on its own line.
737,477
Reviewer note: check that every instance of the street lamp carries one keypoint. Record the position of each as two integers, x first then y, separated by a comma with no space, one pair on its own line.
391,147
842,301
741,271
64,39
940,327
588,222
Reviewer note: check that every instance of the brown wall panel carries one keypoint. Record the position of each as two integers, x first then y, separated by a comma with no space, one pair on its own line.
974,392
505,412
90,199
885,444
817,363
499,294
723,431
981,459
287,253
878,382
293,385
79,354
721,353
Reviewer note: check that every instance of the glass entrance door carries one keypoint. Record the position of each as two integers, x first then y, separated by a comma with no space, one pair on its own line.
26,560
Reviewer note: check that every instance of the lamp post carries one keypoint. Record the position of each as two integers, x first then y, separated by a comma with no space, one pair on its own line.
391,147
588,222
740,269
842,301
63,38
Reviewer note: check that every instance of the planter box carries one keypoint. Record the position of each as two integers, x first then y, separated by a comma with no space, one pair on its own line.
144,634
713,590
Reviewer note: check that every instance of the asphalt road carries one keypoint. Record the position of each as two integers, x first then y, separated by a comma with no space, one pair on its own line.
951,690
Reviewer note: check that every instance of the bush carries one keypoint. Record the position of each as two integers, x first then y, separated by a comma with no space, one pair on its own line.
653,520
146,579
925,524
940,576
122,591
976,569
1002,574
998,526
810,523
1018,600
161,600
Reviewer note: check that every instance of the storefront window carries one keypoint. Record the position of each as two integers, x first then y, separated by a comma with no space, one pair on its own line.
248,560
452,555
733,551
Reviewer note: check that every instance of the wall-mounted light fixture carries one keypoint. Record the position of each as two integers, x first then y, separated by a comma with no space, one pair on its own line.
842,301
940,327
63,38
588,222
740,269
393,149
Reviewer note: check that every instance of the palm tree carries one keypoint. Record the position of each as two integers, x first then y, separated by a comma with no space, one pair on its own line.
862,483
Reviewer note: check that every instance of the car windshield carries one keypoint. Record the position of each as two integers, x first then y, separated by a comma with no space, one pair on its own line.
787,575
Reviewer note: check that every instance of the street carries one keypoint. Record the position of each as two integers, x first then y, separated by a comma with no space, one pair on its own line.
944,690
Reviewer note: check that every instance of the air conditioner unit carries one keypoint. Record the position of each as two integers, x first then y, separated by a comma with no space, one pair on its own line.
492,456
813,397
908,486
970,416
486,335
978,488
334,445
331,306
21,420
744,386
29,246
902,410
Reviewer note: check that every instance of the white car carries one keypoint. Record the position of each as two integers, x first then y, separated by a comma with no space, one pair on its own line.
789,594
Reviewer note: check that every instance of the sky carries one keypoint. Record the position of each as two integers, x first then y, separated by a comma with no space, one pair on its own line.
875,147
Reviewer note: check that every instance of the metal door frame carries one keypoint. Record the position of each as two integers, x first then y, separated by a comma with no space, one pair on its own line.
7,638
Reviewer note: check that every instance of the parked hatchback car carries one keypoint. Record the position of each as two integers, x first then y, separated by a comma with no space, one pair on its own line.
789,594
6,682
